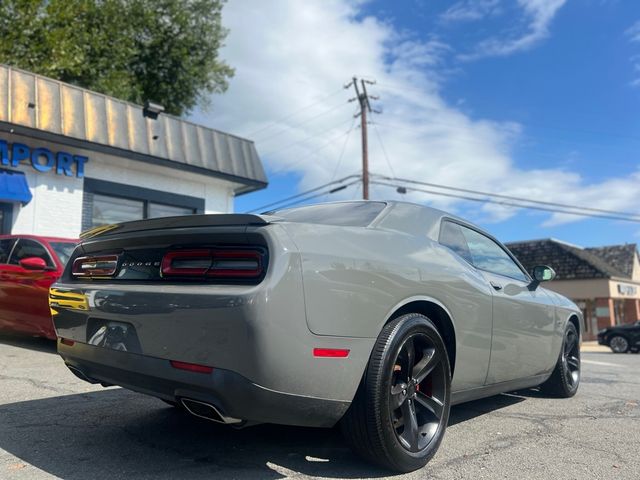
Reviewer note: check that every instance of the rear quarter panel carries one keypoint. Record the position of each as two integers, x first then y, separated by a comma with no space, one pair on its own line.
356,278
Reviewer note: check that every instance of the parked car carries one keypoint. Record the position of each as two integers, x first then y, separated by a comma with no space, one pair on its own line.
621,338
28,266
377,315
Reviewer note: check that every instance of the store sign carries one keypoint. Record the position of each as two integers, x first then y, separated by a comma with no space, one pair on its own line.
626,289
42,159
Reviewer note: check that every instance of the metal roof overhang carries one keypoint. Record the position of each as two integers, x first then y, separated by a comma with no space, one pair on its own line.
55,111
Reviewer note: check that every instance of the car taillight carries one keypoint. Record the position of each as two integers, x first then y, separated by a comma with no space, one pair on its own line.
219,263
236,263
99,266
190,263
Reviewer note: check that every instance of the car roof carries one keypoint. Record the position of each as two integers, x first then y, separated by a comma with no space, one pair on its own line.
434,213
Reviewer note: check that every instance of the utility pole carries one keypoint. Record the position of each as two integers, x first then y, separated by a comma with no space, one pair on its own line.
365,106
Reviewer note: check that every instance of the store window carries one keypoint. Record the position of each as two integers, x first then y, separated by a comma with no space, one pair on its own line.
105,203
158,210
588,308
107,210
618,310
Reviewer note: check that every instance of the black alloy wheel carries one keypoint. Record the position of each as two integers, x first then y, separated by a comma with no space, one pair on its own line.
565,379
417,393
571,358
618,344
401,409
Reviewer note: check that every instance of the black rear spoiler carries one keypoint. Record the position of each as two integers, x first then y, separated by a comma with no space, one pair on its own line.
186,221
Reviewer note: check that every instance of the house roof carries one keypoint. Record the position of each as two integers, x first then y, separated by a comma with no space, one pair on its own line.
572,262
620,257
59,112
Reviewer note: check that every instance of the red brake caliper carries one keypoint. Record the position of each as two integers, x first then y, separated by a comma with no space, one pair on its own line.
426,387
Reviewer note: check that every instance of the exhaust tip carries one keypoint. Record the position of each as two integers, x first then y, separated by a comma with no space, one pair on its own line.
207,411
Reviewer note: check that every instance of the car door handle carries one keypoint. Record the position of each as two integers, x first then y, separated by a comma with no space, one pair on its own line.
496,286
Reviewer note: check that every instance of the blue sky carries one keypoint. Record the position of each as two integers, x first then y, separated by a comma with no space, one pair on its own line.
533,98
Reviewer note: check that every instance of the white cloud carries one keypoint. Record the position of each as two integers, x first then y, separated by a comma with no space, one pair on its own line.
471,10
289,55
633,32
538,17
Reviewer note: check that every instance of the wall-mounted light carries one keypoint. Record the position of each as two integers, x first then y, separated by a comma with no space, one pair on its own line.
152,110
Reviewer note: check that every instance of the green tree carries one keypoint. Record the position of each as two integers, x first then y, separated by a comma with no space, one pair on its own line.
165,51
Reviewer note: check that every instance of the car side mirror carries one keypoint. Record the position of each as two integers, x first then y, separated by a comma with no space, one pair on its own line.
541,273
33,263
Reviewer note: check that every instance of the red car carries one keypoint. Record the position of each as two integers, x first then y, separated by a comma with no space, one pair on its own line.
28,266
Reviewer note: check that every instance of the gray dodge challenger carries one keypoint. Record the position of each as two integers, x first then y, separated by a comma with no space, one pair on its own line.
377,316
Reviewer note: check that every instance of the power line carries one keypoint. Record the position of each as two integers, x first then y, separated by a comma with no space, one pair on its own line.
293,114
311,197
384,151
288,127
509,204
344,146
303,193
510,197
314,152
305,139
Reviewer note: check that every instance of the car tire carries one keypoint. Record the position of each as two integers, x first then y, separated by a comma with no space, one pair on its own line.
619,344
400,411
565,379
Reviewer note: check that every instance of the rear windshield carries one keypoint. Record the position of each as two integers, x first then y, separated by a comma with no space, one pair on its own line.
63,250
350,214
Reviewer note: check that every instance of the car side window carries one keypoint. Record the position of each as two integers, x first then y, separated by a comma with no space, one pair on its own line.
30,248
488,255
6,245
451,236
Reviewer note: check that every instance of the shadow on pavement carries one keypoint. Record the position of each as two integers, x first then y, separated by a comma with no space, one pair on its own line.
117,433
470,410
39,344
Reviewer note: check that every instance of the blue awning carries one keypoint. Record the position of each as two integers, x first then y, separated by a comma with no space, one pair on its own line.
14,187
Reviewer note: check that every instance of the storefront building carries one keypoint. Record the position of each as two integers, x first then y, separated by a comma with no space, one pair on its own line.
604,281
72,159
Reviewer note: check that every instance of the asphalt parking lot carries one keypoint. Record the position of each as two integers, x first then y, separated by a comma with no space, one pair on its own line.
55,426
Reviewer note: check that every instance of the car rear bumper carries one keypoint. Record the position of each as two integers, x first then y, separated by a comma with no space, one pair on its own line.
254,336
235,397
